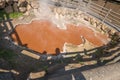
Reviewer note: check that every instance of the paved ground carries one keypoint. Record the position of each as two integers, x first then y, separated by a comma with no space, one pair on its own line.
109,72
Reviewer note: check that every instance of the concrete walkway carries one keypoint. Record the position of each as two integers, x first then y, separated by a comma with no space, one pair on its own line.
108,72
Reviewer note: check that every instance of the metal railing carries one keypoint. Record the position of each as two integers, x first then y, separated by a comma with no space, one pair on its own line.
105,15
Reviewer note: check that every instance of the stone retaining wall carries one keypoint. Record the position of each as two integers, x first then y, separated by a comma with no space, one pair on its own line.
18,5
78,17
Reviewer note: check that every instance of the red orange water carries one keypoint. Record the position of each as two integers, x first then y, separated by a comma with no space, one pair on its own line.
45,36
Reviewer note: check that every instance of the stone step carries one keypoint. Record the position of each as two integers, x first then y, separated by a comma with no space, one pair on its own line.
9,25
111,56
30,54
35,75
113,49
114,60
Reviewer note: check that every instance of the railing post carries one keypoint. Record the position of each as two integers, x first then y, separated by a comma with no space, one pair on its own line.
89,2
86,6
107,15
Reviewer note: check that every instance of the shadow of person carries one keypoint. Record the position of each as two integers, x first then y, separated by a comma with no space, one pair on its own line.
78,76
85,51
25,45
55,56
58,54
57,51
44,56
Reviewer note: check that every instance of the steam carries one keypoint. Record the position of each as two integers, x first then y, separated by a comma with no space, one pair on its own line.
45,12
103,40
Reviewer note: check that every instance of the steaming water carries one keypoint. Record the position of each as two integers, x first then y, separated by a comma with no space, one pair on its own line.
44,12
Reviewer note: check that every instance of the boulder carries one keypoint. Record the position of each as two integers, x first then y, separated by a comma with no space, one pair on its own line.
8,9
35,4
22,3
15,7
22,9
2,4
15,0
28,7
9,2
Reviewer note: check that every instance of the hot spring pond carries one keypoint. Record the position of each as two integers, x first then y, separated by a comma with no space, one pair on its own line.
44,36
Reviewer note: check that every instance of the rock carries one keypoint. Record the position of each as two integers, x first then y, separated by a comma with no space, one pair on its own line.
118,33
23,0
57,4
15,7
15,0
22,3
8,9
26,13
2,4
37,75
28,7
86,18
35,4
9,2
22,9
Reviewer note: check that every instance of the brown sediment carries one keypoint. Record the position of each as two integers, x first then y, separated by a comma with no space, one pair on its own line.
43,36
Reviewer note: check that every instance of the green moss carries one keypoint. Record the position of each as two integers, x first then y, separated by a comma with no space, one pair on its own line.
4,15
15,14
